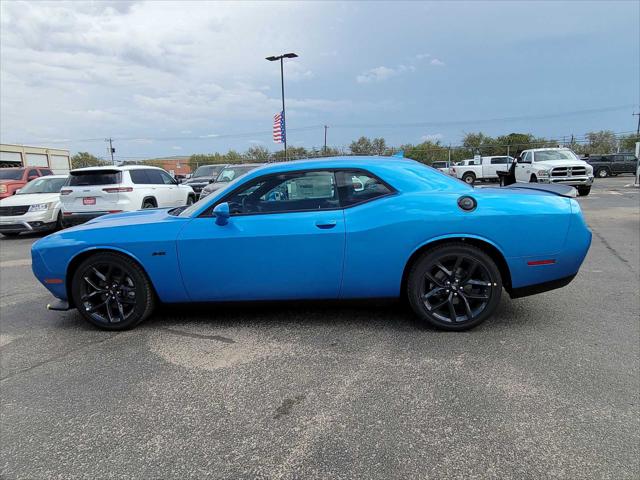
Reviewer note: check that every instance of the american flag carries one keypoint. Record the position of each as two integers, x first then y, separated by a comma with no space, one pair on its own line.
278,128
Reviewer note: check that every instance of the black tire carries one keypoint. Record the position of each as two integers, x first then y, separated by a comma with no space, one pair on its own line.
11,234
584,191
148,203
469,178
58,225
603,173
190,200
428,280
533,179
112,292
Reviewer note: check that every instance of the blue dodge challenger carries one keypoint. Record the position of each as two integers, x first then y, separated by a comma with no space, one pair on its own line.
336,228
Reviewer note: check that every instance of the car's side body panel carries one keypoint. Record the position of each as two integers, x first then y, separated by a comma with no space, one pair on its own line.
356,252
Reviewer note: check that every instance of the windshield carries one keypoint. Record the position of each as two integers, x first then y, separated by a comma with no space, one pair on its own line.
43,185
11,174
207,171
546,155
230,173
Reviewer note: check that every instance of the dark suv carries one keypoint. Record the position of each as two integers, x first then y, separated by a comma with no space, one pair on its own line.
612,164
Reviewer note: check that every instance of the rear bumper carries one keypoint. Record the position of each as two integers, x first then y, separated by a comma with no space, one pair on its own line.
541,287
70,219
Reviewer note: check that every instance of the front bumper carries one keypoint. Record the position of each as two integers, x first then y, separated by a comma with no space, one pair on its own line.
573,181
29,222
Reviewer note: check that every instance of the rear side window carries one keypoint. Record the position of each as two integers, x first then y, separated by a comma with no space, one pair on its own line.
45,171
356,186
33,173
500,160
95,177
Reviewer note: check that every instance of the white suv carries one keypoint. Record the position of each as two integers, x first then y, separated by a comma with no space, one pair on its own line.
94,191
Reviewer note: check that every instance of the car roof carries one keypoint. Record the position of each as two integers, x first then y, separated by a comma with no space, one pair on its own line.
546,149
364,162
114,167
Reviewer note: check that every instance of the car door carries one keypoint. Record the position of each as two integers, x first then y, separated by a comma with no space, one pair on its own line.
159,188
630,163
523,168
284,240
175,194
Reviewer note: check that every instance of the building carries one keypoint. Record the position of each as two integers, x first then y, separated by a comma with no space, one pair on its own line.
24,155
173,165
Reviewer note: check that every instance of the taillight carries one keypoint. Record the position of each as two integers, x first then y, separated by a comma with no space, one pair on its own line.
65,192
117,189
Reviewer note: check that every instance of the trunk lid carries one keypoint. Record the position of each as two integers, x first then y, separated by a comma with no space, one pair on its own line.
92,191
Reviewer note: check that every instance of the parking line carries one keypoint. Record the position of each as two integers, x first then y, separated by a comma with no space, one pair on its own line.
22,262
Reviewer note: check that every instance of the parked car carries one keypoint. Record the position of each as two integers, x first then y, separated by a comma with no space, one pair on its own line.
12,179
34,208
554,165
487,169
203,176
442,166
612,164
95,191
307,230
228,174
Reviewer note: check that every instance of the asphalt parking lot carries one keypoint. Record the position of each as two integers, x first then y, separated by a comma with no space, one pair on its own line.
547,388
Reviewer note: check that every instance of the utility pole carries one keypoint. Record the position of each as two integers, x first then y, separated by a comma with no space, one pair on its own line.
638,128
325,139
111,149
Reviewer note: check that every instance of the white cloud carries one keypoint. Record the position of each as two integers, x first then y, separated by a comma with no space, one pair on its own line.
436,62
176,147
383,73
423,56
432,137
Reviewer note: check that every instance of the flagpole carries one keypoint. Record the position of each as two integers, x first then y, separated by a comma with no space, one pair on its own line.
273,58
284,117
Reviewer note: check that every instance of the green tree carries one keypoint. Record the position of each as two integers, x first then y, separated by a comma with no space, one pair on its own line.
293,153
362,146
258,154
85,159
628,143
379,146
199,159
604,141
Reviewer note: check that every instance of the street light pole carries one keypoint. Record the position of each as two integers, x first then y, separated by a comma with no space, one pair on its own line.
273,58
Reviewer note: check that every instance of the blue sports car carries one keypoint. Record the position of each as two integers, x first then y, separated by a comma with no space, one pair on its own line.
336,228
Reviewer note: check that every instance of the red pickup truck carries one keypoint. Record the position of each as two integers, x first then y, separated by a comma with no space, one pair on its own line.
12,179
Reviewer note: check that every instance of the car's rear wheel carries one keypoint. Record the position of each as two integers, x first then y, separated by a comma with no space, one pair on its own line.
469,178
112,292
454,287
148,203
603,173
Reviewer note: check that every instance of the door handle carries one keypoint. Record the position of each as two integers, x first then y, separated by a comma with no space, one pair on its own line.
326,224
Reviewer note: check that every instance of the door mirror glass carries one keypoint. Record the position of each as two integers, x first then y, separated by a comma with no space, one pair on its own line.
221,212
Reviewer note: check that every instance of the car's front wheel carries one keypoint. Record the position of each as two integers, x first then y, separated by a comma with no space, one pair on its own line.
454,287
603,173
112,292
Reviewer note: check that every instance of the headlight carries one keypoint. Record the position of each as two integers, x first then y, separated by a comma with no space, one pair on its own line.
40,207
589,169
543,173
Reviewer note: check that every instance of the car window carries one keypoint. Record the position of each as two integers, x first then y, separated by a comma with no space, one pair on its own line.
618,158
43,185
154,177
356,186
95,177
630,158
46,171
499,160
167,179
290,192
139,176
33,173
526,158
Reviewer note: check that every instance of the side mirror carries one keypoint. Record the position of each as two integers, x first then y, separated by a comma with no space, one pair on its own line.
221,212
212,180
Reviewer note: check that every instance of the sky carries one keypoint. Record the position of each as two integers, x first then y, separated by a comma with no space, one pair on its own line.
176,78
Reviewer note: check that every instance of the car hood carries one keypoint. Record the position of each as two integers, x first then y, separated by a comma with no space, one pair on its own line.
199,180
561,163
139,217
29,199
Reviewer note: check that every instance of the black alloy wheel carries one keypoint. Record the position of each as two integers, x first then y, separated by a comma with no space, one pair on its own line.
112,292
454,287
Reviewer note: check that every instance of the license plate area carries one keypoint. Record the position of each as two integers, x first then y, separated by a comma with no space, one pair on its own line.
89,201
